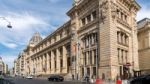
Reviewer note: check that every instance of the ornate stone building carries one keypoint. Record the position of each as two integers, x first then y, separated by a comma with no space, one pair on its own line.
107,34
144,45
99,40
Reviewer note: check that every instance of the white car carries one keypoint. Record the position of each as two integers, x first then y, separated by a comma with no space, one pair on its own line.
29,77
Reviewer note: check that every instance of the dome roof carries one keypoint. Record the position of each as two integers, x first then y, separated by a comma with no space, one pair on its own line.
36,38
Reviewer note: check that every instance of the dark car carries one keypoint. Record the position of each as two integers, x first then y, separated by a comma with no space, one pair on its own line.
141,80
56,78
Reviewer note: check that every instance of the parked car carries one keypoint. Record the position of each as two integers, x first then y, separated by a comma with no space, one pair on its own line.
141,80
56,78
29,77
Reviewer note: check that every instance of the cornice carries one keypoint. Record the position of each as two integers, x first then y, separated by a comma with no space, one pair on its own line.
62,41
62,27
145,49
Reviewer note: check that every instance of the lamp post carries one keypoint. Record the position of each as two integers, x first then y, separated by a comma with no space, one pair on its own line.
9,23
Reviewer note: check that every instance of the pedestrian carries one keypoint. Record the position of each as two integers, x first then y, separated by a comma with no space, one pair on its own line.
72,77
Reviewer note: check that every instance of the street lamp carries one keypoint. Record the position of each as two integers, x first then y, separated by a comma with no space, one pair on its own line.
9,23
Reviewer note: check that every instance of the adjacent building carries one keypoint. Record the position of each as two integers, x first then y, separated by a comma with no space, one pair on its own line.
99,41
144,45
5,70
3,67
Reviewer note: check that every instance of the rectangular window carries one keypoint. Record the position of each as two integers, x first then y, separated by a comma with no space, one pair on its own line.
50,65
125,17
60,35
126,52
94,71
91,57
96,38
89,18
54,38
118,13
55,65
90,37
118,56
61,63
83,21
122,16
85,43
118,37
95,57
94,15
122,60
85,57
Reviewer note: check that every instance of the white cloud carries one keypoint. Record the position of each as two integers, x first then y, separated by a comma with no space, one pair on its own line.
24,26
9,45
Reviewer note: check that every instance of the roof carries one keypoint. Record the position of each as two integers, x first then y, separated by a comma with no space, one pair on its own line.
143,22
35,39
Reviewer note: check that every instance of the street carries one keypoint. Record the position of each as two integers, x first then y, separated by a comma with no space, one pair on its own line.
38,81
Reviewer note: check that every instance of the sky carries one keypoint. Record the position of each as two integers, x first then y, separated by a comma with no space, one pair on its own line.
30,16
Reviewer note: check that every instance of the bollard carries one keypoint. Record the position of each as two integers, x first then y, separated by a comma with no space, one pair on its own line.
99,81
119,82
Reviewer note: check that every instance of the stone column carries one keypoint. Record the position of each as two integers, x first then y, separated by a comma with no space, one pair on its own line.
48,60
40,63
65,57
44,63
52,61
35,65
38,66
58,60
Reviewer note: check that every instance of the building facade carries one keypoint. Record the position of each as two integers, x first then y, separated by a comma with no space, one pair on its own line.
19,65
15,67
99,41
5,70
3,67
144,45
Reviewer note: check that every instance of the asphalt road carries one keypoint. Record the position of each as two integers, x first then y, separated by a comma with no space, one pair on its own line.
39,81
